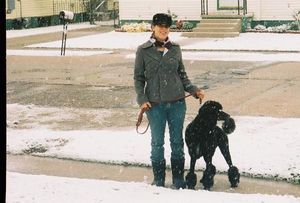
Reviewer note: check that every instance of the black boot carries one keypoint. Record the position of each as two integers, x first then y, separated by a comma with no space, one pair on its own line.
177,173
159,173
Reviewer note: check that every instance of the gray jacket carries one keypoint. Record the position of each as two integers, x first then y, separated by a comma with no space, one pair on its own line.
160,78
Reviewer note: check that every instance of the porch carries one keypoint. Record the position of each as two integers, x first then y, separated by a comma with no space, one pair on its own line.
221,18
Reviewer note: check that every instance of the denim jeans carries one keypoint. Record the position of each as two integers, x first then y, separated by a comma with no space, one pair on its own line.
172,113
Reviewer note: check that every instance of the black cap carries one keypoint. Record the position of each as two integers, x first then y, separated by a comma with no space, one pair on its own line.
162,19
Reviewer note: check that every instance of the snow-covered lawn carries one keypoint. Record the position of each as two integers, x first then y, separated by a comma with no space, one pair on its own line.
123,40
260,146
246,41
40,188
45,30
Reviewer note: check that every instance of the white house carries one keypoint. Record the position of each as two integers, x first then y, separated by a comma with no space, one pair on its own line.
191,10
144,9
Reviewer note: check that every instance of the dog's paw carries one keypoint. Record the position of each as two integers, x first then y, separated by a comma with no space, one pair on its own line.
191,180
207,182
208,177
233,176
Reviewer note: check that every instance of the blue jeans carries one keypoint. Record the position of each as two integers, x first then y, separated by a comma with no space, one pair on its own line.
158,116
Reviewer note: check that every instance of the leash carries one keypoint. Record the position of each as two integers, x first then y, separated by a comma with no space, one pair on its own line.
139,121
140,117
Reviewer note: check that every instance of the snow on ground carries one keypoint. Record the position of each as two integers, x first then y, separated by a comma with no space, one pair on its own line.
246,41
250,41
186,55
234,56
193,48
40,188
45,30
260,146
18,52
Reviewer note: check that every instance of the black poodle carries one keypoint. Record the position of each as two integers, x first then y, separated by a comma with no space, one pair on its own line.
202,137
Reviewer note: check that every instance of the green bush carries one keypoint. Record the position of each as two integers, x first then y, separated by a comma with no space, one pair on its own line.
187,25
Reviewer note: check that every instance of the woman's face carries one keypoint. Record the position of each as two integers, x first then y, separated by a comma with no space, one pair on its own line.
161,32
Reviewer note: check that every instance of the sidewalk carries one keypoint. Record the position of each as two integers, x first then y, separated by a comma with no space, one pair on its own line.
53,29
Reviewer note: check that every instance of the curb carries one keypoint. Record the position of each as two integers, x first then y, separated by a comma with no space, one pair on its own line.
241,50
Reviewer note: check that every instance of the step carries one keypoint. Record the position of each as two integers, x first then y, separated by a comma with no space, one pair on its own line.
227,25
210,34
214,24
217,29
220,21
221,16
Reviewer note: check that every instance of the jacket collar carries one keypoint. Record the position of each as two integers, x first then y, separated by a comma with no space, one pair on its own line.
153,53
149,43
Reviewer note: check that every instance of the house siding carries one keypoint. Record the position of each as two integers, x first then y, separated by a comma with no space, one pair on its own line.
273,10
144,10
31,8
262,10
36,8
278,10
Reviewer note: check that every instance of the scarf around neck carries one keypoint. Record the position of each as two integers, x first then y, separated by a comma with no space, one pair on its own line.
167,43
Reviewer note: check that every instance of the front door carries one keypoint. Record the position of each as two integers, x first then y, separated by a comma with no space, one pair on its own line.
223,7
230,6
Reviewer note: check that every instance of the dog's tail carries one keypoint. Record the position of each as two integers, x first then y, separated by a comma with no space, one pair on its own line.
228,125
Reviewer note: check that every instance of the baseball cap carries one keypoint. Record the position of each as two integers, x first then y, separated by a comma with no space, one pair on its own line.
162,19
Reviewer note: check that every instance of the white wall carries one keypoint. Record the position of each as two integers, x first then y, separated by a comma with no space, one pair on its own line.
264,9
278,10
190,9
273,10
145,9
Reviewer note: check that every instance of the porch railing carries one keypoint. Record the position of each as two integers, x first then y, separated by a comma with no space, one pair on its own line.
204,7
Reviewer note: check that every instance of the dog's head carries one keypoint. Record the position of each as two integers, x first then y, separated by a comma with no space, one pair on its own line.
212,111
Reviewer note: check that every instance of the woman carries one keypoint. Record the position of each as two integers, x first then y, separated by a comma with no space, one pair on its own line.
160,83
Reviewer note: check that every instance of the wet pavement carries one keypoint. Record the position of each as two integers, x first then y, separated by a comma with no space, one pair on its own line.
89,170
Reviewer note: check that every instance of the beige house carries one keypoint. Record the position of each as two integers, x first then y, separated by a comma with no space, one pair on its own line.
35,8
47,11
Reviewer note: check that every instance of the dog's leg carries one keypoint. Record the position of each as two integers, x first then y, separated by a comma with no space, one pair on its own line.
208,176
191,177
224,146
207,179
233,171
233,176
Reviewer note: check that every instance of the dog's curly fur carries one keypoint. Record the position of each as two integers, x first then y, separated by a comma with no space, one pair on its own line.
233,176
203,136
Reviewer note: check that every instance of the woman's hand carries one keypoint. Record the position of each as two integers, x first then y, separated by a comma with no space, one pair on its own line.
145,106
199,95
